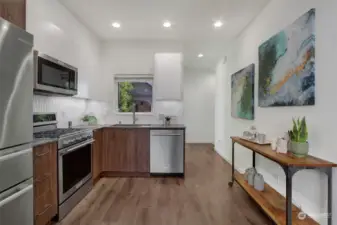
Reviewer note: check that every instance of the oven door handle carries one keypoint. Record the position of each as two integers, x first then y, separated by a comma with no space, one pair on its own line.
74,148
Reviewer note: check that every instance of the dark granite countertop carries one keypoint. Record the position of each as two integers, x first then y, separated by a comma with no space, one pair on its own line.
93,127
133,126
41,141
151,126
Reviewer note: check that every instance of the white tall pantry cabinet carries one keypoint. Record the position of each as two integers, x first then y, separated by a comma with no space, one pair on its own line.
168,76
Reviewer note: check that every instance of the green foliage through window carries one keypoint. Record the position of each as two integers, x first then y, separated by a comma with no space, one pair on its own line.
125,96
135,92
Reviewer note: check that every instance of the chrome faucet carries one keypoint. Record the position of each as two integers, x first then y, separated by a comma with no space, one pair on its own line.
134,119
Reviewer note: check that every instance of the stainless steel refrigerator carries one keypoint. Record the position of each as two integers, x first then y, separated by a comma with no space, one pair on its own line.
16,134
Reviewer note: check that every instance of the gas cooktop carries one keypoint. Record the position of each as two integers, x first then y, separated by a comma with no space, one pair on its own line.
57,133
45,126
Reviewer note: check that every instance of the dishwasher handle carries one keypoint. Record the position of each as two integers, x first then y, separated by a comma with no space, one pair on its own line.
165,135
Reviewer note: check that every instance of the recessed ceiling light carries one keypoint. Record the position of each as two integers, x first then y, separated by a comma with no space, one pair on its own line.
116,25
218,24
167,24
200,55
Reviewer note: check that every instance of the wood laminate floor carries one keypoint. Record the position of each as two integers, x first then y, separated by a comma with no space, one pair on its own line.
202,198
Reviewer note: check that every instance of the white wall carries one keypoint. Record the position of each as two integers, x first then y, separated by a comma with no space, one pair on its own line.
199,93
310,189
136,57
59,34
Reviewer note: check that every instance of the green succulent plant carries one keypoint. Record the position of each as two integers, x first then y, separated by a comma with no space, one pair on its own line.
90,119
299,133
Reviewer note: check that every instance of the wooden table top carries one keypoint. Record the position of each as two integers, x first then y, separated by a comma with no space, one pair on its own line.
283,159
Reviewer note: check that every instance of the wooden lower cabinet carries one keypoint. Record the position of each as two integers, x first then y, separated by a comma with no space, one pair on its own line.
143,150
45,183
97,154
126,150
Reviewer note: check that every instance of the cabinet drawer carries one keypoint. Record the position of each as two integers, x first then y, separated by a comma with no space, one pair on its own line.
45,208
42,202
46,215
43,185
43,156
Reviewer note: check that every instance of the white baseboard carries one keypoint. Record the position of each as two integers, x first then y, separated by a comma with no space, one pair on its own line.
241,170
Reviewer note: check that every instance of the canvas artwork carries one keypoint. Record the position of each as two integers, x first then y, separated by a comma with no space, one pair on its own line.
243,93
287,65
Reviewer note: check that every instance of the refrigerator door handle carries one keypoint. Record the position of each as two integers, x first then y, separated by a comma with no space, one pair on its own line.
17,194
15,154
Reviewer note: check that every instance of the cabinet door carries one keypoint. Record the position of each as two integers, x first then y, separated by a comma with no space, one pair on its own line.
109,153
45,183
119,151
130,157
97,154
14,12
168,76
143,150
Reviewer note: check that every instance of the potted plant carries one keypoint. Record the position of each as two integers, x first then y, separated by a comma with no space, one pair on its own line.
299,145
89,120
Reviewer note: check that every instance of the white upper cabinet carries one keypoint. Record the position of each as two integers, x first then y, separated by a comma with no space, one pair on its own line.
168,74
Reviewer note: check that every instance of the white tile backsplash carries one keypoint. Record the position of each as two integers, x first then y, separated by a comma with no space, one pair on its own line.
71,109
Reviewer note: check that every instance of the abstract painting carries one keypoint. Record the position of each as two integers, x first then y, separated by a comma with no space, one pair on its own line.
287,65
243,93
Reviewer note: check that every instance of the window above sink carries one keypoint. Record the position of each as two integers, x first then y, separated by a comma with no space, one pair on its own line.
134,89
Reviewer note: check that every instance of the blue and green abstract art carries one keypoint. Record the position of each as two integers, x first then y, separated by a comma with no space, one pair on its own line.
242,105
287,65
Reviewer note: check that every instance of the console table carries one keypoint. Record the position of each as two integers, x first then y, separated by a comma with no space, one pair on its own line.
270,201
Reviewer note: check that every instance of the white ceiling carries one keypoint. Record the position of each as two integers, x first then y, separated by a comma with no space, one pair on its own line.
192,22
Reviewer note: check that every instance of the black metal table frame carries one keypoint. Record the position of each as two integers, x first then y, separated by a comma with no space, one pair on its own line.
290,172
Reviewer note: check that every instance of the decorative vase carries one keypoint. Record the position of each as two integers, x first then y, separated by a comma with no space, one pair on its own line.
282,146
251,175
299,149
258,182
245,175
247,172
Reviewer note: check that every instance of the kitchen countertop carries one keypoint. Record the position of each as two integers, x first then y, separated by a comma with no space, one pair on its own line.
93,127
133,126
41,141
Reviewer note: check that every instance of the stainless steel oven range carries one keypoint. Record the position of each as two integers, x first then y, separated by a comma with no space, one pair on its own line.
74,160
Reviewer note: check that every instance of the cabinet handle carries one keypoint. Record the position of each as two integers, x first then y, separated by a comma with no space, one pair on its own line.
44,211
42,154
45,176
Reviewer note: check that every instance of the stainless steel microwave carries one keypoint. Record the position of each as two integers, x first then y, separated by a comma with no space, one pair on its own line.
53,76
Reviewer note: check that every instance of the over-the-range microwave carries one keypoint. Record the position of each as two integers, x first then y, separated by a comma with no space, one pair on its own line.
53,76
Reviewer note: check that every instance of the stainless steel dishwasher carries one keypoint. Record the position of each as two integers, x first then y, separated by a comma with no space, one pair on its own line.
167,152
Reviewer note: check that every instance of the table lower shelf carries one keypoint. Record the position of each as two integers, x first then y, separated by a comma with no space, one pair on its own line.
272,203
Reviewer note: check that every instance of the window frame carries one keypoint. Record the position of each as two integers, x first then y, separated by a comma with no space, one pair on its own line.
133,78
